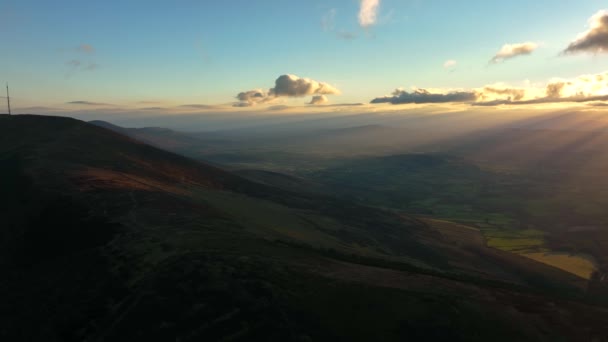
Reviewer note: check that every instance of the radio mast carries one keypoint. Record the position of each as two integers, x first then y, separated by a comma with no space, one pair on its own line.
8,100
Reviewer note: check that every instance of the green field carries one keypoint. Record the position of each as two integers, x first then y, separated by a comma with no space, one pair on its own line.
517,241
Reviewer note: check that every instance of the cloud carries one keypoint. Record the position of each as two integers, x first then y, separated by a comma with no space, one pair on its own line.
546,100
36,109
598,104
278,108
87,103
346,105
400,96
582,86
198,106
513,93
450,64
554,90
586,88
252,97
582,89
318,100
509,51
368,13
595,39
294,86
285,86
86,48
152,108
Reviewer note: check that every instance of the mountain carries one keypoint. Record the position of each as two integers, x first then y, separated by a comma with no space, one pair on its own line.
161,137
108,238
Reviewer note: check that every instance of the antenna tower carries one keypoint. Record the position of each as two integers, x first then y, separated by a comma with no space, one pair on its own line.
8,100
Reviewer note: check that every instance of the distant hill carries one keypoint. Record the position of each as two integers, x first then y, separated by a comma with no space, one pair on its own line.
108,125
160,137
282,181
108,238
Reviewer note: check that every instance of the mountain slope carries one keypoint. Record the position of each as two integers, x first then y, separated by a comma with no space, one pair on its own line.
111,239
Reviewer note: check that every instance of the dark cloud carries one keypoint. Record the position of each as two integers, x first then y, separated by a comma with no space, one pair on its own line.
400,96
37,109
253,97
595,39
582,98
509,51
198,106
554,90
319,100
152,108
514,94
243,104
88,103
278,108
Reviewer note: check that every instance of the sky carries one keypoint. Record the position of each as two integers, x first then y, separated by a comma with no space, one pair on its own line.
238,55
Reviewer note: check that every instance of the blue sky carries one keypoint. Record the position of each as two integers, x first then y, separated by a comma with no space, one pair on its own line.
206,52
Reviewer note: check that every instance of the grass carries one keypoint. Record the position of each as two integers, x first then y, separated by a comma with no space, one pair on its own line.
275,221
511,240
270,219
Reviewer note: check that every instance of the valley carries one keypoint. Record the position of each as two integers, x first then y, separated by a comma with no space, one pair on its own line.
517,206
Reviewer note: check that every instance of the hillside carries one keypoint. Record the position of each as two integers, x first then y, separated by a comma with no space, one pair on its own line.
112,239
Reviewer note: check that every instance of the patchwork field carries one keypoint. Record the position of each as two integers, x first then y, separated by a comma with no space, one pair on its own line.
526,243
